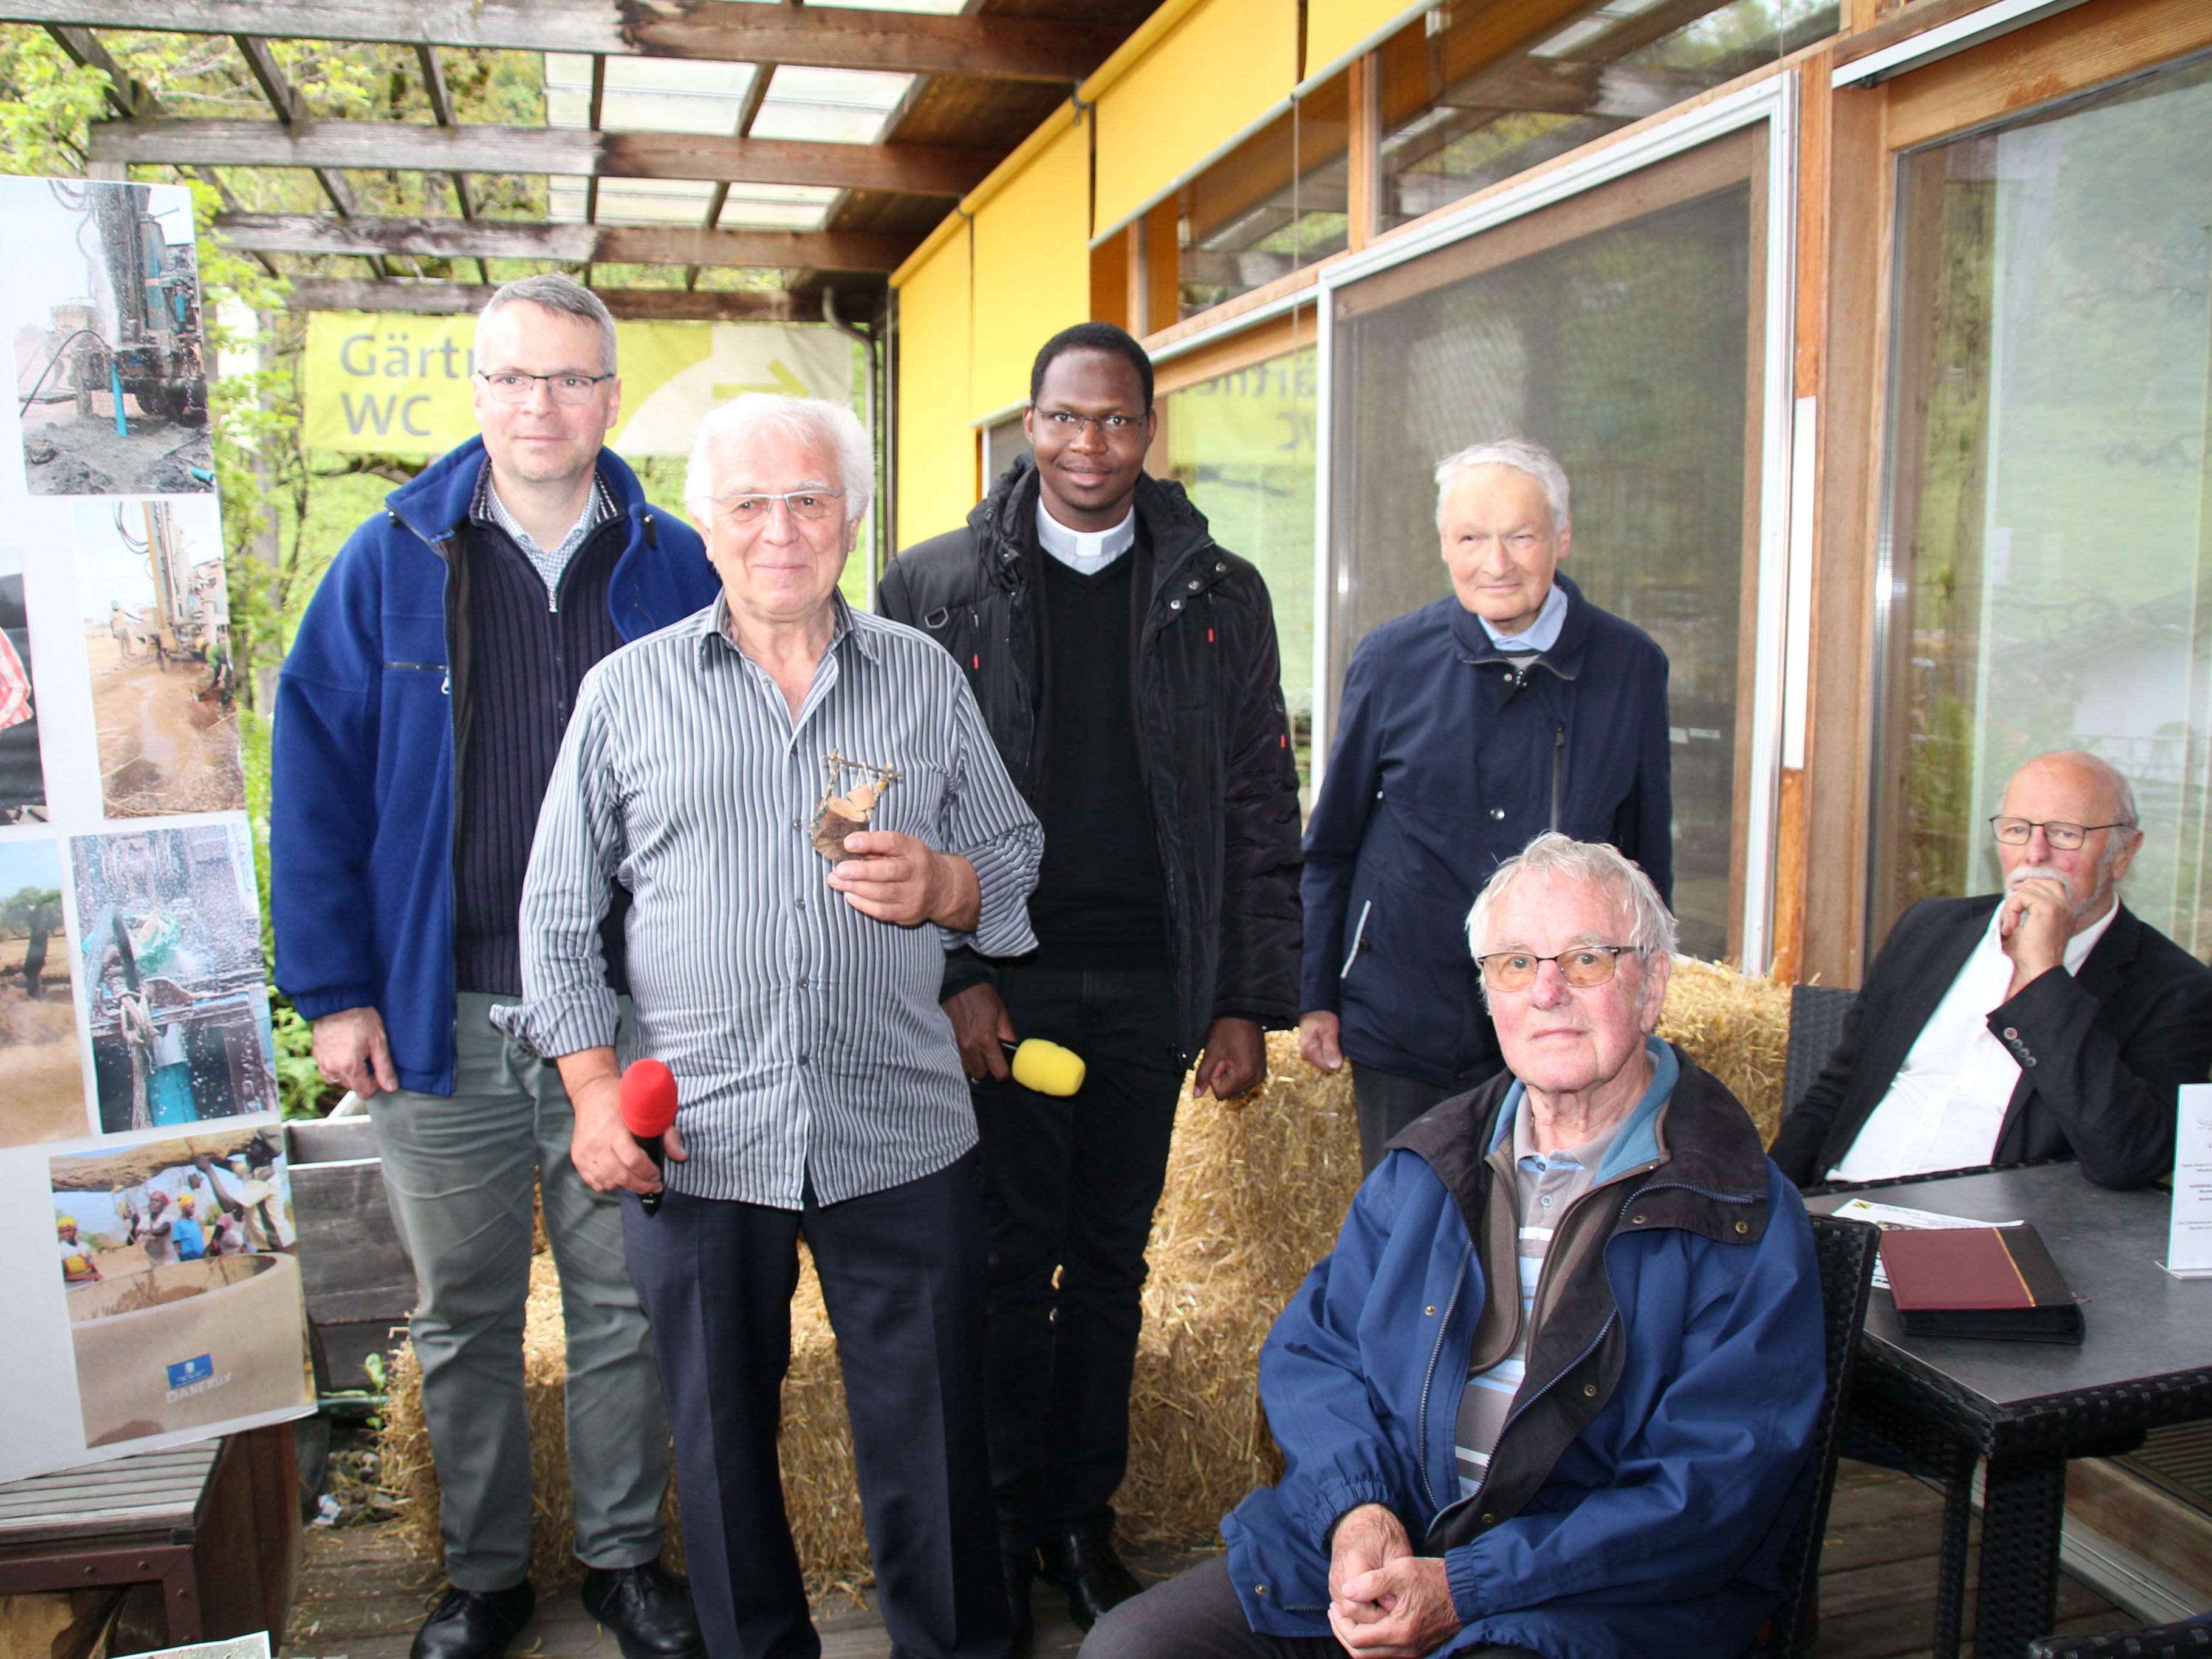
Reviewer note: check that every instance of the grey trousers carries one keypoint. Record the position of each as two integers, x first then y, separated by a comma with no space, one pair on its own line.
458,1171
1197,1616
1386,1104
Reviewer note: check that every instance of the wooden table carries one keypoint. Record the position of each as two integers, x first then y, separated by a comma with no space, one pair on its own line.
1935,1405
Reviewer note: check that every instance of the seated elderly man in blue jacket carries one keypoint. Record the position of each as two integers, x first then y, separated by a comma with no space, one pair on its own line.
1554,1390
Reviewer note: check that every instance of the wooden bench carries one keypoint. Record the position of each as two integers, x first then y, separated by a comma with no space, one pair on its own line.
214,1524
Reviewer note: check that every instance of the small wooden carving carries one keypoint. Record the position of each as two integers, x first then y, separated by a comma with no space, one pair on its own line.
840,814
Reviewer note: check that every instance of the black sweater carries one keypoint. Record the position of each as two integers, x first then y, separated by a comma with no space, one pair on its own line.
1099,902
529,659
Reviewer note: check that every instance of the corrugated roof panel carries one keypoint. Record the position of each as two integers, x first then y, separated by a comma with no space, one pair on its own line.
830,105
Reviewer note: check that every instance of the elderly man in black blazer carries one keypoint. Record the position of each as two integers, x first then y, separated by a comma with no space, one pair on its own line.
2048,1021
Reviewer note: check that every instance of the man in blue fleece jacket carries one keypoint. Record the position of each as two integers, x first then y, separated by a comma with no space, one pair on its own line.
1554,1392
417,721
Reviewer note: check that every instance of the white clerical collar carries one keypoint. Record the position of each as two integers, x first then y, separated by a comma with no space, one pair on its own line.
1085,551
1541,634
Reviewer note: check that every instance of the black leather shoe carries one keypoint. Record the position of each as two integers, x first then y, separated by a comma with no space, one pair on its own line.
474,1624
1083,1563
1021,1573
647,1607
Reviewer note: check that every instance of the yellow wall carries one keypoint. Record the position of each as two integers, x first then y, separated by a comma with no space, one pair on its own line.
1032,264
1334,28
936,445
1217,72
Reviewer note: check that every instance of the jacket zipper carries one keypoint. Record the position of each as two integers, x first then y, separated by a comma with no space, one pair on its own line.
1544,1276
1559,768
1428,1487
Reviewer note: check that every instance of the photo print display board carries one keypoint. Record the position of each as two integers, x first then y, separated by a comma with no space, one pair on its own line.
145,1211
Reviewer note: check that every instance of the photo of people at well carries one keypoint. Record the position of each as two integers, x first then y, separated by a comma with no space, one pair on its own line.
179,1257
105,318
169,938
157,645
41,1075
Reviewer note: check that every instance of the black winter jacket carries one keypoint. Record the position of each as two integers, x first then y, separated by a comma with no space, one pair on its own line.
1212,735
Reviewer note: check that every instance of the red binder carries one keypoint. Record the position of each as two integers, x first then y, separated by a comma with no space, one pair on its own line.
1979,1281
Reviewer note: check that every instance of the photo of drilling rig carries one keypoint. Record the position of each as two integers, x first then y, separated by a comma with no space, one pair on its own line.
111,384
157,641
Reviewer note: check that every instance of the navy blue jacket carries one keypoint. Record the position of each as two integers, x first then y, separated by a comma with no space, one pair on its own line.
1446,763
371,720
1659,1450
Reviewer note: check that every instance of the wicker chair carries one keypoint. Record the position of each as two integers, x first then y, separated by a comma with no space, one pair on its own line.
1816,1024
1845,1250
2191,1636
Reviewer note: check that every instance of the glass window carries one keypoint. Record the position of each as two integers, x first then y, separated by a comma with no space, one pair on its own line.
1464,107
1277,202
1002,441
1242,444
1620,330
2050,517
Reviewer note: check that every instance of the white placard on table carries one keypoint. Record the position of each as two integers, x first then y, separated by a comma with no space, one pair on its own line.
2189,1242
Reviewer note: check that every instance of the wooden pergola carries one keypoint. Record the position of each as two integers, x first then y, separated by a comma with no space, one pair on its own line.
983,79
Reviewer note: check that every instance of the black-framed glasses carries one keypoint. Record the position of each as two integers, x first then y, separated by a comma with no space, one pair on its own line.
1067,422
2063,837
512,386
809,506
1582,967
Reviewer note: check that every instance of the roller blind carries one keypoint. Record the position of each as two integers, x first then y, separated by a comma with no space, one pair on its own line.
936,445
1218,72
1032,264
1334,28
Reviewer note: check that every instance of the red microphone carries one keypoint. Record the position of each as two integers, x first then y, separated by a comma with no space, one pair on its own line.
648,1109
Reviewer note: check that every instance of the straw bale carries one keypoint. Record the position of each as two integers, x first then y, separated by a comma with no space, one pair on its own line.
1737,1027
1255,1190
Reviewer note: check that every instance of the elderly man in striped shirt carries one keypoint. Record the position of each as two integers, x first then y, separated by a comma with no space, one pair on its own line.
715,771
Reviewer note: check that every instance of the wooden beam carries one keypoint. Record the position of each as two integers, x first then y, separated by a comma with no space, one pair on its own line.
1006,48
914,169
499,239
642,304
130,97
83,46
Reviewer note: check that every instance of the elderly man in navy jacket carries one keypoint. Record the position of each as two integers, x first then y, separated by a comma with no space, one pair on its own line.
1513,706
417,721
1555,1389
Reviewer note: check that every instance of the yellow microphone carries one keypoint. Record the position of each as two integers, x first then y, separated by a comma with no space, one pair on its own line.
1045,1068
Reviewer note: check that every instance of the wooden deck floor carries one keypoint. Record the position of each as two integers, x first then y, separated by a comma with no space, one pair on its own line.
361,1593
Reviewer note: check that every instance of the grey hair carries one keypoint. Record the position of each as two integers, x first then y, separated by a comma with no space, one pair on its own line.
1651,923
815,420
563,293
1522,455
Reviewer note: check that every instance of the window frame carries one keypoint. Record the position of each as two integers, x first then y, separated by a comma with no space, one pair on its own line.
1773,101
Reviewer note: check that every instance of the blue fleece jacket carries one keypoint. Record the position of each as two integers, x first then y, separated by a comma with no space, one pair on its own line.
1659,1528
1447,760
360,823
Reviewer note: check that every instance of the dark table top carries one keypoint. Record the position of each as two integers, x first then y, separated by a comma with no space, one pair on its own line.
2143,1324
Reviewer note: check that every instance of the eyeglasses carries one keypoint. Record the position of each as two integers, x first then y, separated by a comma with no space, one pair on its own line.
1582,967
1067,422
573,390
808,506
2062,836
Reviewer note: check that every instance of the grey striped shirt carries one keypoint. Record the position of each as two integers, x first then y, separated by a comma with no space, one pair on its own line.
806,1038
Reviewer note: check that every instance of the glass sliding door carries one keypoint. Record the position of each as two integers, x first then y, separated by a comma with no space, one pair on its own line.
2049,506
1622,329
1242,444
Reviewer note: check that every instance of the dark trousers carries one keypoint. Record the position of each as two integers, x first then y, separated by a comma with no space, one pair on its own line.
1197,1616
1387,1103
1070,1186
901,1274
